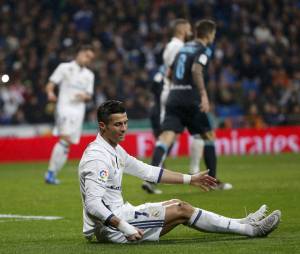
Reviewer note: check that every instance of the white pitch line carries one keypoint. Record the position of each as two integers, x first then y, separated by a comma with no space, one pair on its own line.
12,220
29,217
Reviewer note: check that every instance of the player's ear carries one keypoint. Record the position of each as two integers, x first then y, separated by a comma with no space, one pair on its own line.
101,126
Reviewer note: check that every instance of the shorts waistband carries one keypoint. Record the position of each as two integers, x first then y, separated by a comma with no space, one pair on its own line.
181,87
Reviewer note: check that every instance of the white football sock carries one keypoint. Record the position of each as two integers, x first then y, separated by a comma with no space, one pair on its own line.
196,155
59,156
210,222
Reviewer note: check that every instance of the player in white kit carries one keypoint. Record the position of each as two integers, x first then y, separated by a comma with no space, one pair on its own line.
76,84
107,218
182,32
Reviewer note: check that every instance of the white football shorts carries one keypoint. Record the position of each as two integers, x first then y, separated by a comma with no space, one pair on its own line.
149,217
68,125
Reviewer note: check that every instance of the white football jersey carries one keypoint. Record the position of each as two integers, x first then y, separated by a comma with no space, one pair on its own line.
169,54
72,79
100,174
171,50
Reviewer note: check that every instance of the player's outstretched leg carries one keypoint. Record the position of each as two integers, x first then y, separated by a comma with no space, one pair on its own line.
196,154
210,222
179,212
210,159
159,155
58,158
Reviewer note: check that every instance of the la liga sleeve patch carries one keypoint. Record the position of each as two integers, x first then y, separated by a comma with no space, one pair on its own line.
103,175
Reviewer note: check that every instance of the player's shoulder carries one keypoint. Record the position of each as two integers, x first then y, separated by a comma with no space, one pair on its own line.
189,48
64,67
174,45
89,72
202,49
95,151
203,54
175,42
65,64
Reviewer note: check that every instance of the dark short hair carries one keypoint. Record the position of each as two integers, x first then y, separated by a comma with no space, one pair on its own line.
108,108
204,27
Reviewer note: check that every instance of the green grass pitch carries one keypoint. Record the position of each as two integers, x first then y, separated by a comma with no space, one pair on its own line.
270,179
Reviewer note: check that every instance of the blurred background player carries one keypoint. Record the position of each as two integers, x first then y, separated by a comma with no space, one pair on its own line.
181,32
76,85
188,104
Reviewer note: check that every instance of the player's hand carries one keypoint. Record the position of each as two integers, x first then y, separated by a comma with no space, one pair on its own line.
80,97
204,105
52,97
137,236
204,181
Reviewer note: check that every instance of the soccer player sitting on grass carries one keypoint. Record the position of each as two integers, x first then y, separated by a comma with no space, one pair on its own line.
109,219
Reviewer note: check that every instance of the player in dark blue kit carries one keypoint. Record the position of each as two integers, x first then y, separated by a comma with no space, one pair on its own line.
188,103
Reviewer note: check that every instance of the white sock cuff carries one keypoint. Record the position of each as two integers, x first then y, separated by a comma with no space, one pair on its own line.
162,145
195,216
64,145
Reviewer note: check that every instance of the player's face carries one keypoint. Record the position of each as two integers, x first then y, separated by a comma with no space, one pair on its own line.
188,32
85,57
114,132
211,36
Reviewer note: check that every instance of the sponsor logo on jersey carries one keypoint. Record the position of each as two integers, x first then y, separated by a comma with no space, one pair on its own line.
113,187
103,175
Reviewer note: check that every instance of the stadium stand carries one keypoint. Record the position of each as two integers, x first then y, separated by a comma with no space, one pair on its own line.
254,78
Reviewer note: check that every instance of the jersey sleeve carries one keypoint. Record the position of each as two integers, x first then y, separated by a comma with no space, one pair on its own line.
57,75
203,57
142,170
96,176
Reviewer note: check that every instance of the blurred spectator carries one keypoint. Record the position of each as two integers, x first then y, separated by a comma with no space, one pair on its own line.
254,120
253,78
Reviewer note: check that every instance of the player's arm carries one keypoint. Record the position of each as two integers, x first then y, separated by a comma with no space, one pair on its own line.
94,185
169,73
55,79
201,180
159,175
197,73
131,233
50,91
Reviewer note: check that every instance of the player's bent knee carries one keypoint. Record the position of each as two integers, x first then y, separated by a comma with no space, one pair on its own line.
170,202
178,213
175,200
185,210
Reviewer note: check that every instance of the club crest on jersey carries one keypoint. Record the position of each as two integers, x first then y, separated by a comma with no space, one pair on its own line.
103,175
154,212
